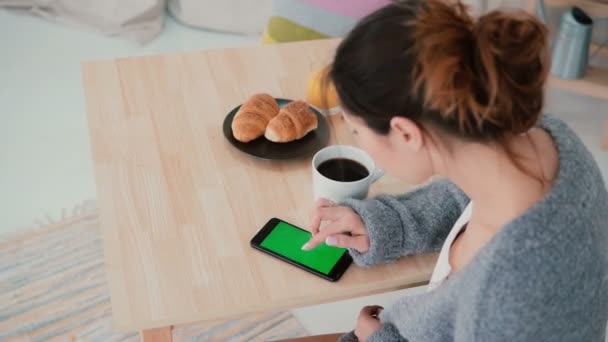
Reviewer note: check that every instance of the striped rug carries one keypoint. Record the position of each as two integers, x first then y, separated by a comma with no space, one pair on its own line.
53,288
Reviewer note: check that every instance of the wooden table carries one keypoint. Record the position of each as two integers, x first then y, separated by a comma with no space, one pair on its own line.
178,204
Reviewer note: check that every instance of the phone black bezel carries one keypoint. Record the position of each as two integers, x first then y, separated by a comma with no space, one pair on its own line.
334,275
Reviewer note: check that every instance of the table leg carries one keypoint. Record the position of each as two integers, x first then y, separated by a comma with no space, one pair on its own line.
157,335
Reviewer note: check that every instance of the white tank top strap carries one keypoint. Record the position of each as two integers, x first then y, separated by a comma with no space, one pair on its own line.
442,268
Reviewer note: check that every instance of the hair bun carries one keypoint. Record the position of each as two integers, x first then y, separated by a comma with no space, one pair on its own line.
511,47
487,74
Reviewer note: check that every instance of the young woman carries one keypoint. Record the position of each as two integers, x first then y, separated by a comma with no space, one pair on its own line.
519,212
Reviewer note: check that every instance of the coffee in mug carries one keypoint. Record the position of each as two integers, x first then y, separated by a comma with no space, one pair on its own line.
340,172
343,170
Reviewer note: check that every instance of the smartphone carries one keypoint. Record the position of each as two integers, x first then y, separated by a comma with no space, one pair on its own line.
284,241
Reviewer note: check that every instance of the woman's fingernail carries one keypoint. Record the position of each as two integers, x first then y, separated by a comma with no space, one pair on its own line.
306,247
331,241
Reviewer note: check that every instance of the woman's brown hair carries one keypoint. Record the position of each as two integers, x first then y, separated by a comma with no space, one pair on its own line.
432,62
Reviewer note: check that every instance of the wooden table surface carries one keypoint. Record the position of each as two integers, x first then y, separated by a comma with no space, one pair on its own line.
179,204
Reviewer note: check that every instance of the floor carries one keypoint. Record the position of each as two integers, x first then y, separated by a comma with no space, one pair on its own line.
45,161
44,145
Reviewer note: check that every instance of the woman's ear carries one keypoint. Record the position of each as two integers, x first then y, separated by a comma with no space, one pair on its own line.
406,133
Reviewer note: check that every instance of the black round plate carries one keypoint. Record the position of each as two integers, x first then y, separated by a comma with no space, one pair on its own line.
266,149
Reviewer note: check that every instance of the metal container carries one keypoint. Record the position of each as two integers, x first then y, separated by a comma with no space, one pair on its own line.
571,47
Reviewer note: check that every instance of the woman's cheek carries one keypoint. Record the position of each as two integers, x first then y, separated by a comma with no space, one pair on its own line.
414,168
379,153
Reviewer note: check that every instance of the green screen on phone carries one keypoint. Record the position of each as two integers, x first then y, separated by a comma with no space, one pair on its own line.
288,240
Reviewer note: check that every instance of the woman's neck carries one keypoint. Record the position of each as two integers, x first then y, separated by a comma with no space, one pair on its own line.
499,188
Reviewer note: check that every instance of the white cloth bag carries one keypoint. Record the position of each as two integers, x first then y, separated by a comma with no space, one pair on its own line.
138,20
237,16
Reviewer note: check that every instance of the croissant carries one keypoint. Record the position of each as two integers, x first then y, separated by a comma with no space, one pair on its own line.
294,121
251,120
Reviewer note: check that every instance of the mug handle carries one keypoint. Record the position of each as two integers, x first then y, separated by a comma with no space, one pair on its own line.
376,175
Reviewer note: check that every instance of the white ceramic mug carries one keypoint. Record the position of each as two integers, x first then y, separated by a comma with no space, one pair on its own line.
338,191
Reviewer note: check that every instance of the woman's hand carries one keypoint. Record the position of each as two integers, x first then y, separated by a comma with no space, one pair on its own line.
368,322
344,230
